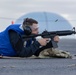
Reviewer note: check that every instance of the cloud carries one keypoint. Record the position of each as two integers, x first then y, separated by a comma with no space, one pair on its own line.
34,5
16,8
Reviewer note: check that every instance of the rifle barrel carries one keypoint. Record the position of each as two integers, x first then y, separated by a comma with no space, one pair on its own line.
59,33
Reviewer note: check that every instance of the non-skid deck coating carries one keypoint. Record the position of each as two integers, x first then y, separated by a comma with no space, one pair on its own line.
53,66
23,66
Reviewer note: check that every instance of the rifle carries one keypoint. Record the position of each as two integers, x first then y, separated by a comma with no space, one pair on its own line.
46,34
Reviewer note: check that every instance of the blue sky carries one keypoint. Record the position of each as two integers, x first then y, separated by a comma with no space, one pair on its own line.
10,10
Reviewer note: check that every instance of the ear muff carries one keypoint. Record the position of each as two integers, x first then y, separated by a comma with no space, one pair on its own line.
27,30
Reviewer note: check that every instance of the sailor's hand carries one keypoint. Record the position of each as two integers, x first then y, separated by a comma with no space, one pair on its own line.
43,41
56,38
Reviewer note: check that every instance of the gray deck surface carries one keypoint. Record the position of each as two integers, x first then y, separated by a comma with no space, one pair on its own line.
53,66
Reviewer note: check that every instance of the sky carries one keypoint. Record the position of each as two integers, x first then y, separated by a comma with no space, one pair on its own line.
11,10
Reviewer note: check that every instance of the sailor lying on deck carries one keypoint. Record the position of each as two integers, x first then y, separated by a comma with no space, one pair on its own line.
12,44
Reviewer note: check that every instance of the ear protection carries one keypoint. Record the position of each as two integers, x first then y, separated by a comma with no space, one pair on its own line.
26,26
27,30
